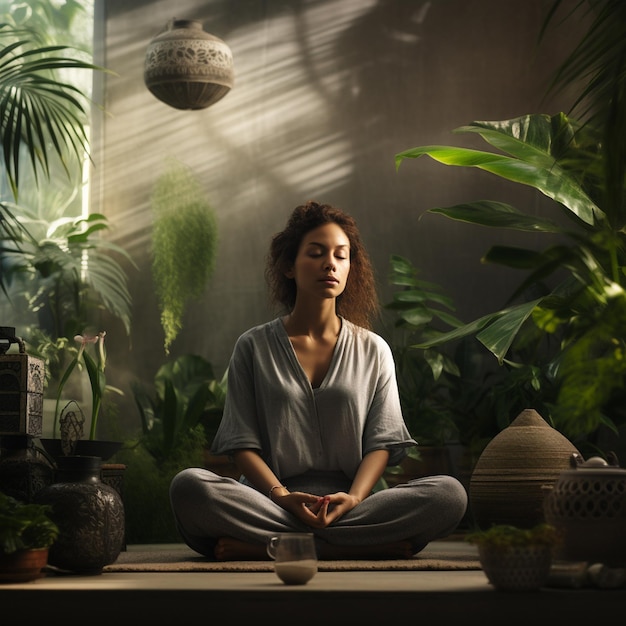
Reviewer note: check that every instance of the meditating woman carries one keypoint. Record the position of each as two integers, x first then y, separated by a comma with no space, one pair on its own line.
313,418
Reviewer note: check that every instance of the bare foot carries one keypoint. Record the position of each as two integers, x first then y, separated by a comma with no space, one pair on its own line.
229,549
397,550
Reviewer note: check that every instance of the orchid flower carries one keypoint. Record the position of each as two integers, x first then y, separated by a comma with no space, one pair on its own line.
95,371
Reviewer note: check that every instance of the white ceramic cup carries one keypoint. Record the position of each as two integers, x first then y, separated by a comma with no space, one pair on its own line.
295,557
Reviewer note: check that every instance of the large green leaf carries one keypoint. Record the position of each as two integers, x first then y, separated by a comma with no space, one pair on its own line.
495,331
498,336
532,164
538,139
497,215
38,111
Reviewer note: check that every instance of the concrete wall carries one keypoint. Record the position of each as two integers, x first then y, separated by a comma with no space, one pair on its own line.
326,93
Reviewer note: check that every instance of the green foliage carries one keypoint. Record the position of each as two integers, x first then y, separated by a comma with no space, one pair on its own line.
60,282
54,111
505,536
177,422
65,274
565,323
184,240
448,394
148,514
578,314
45,116
187,395
56,270
425,378
25,526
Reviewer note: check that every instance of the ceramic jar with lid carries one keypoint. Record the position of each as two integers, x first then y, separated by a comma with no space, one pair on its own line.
588,505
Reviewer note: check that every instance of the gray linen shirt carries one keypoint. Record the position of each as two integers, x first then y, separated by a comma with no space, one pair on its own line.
271,406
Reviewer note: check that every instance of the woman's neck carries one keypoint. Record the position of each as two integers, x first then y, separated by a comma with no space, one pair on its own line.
312,323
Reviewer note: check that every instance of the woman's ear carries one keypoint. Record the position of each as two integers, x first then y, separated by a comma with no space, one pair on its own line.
289,273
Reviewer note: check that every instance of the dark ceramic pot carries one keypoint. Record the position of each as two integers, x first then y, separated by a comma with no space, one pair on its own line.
24,468
89,514
84,447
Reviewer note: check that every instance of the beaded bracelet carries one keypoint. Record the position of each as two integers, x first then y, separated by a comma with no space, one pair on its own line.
269,495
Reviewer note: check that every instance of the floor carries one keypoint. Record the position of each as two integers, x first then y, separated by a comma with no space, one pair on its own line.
346,598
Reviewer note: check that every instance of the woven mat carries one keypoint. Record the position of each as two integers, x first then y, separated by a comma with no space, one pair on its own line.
182,559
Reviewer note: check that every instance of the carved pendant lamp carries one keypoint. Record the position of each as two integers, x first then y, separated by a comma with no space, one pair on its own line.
187,68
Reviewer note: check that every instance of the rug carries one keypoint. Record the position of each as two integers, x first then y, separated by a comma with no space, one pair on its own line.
182,559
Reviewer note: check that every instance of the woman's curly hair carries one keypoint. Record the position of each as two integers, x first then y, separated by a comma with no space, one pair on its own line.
359,300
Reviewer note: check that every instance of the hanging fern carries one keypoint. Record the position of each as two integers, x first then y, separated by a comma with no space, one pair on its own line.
184,245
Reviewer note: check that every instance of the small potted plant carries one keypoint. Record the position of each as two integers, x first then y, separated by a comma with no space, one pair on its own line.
514,558
70,417
26,534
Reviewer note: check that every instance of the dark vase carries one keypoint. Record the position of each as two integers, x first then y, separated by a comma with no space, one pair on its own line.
89,514
24,469
84,447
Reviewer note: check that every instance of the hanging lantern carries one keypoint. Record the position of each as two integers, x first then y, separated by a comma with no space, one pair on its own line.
186,67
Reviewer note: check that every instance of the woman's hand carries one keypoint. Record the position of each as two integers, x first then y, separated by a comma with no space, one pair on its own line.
317,511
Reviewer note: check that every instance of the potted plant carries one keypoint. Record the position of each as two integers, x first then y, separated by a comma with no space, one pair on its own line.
516,559
564,326
69,416
26,534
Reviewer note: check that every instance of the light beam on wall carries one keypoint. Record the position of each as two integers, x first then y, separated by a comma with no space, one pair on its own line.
186,67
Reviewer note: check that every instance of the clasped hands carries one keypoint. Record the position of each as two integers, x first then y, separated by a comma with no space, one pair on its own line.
317,511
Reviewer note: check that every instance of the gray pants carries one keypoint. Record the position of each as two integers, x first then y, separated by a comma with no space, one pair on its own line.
207,506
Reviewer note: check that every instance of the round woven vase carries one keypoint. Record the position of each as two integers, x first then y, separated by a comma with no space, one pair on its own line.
508,483
516,568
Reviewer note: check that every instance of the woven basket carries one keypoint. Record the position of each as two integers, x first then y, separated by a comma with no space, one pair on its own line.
516,568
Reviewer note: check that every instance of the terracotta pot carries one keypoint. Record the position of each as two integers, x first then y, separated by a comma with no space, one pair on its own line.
22,566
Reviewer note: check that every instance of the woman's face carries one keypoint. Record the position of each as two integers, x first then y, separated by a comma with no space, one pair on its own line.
322,264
